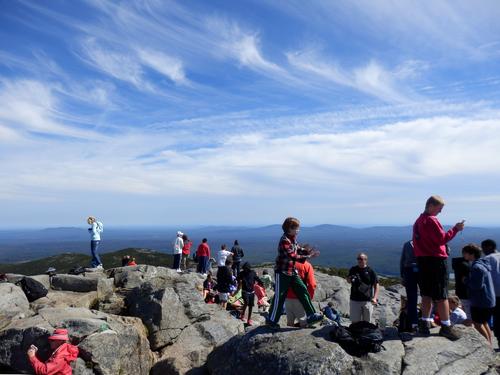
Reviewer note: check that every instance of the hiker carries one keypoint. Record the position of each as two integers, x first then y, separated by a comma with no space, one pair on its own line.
246,281
364,290
95,239
186,250
125,260
481,291
203,254
286,275
267,280
238,254
492,256
132,262
409,274
294,310
331,313
208,286
222,256
429,244
224,282
178,245
60,360
457,315
461,268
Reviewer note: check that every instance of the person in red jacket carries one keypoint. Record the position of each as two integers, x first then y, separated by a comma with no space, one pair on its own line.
186,250
429,246
59,362
294,309
203,255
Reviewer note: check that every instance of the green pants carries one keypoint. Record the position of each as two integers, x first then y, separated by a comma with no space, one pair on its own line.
283,282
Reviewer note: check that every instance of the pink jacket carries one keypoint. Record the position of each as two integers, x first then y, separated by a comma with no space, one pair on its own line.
58,363
429,237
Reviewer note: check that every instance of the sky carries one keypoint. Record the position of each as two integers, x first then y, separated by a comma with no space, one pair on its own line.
245,112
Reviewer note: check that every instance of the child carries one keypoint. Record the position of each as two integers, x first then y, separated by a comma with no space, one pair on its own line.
457,315
246,280
224,282
208,285
331,313
480,290
132,262
286,275
267,280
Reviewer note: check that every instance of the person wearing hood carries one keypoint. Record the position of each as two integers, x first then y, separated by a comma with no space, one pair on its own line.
178,245
63,353
481,291
492,256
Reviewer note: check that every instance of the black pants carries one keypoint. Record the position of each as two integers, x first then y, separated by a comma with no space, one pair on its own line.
177,261
236,268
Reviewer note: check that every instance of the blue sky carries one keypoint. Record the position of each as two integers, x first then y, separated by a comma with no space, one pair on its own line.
245,112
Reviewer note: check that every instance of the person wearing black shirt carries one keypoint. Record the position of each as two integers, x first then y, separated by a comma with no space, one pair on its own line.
364,290
224,281
238,254
246,280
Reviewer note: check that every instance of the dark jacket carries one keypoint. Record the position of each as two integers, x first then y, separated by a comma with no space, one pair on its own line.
461,268
480,285
408,259
224,279
237,253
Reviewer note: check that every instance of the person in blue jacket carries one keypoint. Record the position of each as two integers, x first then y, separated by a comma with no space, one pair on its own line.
481,291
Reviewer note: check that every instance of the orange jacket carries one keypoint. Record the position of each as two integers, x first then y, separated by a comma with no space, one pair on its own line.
306,273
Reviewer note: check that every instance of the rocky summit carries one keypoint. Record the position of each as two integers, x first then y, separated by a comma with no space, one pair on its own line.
152,320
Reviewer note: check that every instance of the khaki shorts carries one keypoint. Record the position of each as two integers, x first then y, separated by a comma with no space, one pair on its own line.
295,312
360,311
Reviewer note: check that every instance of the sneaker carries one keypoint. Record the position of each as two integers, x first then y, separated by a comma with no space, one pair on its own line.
99,267
314,318
179,270
423,328
449,332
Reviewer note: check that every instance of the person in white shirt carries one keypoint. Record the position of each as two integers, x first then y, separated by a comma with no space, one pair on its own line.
178,245
457,315
222,256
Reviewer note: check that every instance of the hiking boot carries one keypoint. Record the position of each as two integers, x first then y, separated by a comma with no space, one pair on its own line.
423,328
450,333
314,318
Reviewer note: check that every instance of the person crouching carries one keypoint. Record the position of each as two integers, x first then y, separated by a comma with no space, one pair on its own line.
63,353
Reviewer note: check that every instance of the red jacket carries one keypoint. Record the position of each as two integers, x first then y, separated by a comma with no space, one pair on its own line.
429,237
306,273
58,363
203,250
186,249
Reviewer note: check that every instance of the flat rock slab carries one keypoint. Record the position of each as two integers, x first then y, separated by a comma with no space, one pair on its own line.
74,283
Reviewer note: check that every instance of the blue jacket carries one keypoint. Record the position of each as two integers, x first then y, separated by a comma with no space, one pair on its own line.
96,230
480,285
494,262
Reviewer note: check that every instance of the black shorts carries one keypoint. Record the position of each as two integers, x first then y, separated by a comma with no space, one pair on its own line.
248,298
433,277
481,315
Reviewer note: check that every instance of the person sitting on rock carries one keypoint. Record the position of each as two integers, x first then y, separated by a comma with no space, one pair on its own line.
125,260
364,290
481,291
457,315
267,280
63,353
295,313
208,286
132,262
286,275
246,281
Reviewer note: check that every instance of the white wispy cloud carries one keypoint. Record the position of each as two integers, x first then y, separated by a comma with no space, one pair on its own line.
170,67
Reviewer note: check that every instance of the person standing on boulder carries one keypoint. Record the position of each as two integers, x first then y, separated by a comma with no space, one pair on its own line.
59,362
364,290
186,250
95,239
286,275
246,281
409,274
203,255
223,255
429,243
238,254
293,307
178,245
492,256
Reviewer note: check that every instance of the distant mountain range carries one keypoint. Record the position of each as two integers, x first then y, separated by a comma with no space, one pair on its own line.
338,244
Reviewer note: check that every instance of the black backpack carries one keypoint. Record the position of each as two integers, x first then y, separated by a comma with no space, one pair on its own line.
343,337
32,289
368,336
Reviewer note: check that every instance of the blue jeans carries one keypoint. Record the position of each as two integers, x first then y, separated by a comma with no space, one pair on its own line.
94,245
410,275
202,264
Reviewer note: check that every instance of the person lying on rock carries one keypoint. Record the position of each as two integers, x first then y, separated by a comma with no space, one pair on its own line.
286,275
63,353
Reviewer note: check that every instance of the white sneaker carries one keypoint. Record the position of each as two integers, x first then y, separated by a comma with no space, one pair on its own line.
99,267
179,270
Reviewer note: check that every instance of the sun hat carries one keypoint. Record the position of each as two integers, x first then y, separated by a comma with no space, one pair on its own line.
179,233
60,334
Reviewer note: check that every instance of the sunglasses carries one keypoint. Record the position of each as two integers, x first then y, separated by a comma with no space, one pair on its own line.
361,258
